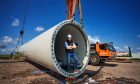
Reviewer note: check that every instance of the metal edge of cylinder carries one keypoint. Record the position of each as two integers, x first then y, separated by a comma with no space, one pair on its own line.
59,69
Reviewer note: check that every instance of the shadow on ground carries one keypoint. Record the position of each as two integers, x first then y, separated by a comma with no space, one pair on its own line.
61,78
106,64
43,75
47,71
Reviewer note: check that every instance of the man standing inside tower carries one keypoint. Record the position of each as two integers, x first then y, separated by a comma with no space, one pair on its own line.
70,46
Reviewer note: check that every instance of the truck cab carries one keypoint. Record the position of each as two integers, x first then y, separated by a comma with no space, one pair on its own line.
101,52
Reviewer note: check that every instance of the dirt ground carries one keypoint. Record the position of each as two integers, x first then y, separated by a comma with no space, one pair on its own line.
126,72
27,72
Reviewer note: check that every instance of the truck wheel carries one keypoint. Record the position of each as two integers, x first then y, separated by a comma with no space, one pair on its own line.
94,60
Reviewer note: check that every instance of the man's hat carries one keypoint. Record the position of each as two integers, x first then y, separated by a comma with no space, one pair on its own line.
69,36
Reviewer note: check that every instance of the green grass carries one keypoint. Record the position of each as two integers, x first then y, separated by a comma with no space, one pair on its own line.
135,59
9,56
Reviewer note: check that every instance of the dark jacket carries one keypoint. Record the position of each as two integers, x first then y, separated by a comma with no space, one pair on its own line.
69,43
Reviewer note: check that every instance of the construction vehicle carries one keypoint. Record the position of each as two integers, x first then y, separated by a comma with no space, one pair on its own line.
101,52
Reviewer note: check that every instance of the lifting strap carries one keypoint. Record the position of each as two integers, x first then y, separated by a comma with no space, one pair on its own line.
71,10
80,12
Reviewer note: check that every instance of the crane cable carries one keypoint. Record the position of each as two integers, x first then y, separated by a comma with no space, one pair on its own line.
22,30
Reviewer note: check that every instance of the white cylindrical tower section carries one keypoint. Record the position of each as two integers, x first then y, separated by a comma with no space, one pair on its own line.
48,48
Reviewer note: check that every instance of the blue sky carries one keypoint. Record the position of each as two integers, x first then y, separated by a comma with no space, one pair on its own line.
116,21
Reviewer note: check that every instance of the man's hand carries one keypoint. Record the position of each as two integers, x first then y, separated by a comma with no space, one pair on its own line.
74,46
69,47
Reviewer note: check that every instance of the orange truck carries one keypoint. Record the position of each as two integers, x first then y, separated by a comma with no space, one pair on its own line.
101,52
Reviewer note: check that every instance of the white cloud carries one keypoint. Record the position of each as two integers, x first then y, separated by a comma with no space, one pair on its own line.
15,22
138,36
7,39
5,44
136,55
131,48
93,39
117,48
138,48
6,50
3,50
39,29
125,47
122,49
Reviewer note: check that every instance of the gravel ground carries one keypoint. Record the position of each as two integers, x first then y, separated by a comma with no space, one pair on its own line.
26,72
114,69
23,72
126,72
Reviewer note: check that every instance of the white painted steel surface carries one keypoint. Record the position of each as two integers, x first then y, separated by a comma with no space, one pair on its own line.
48,48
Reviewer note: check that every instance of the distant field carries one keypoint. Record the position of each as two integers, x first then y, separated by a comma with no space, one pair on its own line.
17,56
9,56
135,59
